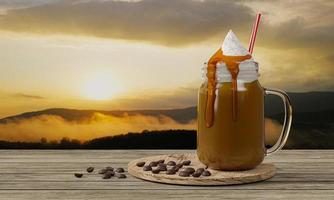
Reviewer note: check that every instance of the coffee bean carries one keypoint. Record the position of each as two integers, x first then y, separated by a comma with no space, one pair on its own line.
153,164
206,166
206,173
162,168
120,170
90,169
109,168
106,176
162,164
170,172
186,162
160,161
110,173
175,168
171,163
102,171
120,175
184,174
78,175
199,170
190,170
156,171
140,164
180,165
196,174
147,168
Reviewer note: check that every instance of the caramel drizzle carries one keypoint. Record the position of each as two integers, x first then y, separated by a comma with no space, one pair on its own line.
232,63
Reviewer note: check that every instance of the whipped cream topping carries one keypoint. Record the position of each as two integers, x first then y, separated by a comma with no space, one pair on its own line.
248,69
232,46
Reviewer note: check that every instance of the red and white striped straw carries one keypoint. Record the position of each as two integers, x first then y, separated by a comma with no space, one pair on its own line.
254,31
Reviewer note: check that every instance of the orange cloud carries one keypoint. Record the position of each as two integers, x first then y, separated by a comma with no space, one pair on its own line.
26,96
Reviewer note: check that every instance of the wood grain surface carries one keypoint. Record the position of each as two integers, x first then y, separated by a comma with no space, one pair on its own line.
48,174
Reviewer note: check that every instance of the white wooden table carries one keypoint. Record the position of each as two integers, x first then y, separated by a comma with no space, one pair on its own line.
48,174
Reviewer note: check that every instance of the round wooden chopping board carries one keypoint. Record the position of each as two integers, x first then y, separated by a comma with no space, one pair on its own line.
260,173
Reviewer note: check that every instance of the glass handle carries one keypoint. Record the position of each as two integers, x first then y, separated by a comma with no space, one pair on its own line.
287,120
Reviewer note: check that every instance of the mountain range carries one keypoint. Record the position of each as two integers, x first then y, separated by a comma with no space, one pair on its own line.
313,117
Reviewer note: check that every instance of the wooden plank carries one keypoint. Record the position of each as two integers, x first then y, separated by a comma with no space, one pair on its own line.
71,167
101,154
166,194
64,177
125,185
30,156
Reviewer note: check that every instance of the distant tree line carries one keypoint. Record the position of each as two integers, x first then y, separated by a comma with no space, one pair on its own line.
169,139
166,139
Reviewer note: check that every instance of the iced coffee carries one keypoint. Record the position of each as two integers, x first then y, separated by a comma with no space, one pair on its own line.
231,110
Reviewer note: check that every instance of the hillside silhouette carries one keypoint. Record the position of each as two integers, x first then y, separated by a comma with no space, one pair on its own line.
182,115
167,139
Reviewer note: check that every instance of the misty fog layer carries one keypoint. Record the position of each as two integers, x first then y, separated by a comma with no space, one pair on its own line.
54,127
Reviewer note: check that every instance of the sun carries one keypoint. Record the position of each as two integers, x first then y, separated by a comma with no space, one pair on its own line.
100,87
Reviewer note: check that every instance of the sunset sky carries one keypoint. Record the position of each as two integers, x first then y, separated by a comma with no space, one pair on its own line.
148,54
